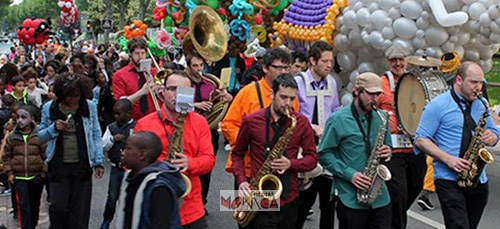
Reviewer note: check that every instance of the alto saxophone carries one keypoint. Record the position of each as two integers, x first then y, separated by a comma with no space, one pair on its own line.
176,145
476,154
377,172
265,179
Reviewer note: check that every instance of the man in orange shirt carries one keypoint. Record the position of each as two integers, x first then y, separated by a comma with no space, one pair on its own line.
254,97
198,157
407,169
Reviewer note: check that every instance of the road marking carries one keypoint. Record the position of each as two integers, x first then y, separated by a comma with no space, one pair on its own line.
426,220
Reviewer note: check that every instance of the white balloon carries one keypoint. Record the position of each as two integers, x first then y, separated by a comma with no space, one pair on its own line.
453,5
486,2
376,40
436,36
448,46
379,19
494,11
485,31
411,9
433,52
422,23
365,67
341,42
495,28
394,13
349,19
346,61
404,28
468,2
355,39
388,4
476,9
346,99
495,38
353,76
418,42
350,86
443,17
363,16
373,6
460,50
484,19
406,44
388,33
486,65
471,55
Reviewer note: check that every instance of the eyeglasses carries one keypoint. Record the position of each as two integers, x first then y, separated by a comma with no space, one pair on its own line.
281,67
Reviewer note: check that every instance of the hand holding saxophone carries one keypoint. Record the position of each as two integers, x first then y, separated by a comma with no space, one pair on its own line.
244,189
489,138
361,181
384,151
281,164
181,161
458,164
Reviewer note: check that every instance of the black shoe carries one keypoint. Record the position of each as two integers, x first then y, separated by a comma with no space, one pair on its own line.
425,203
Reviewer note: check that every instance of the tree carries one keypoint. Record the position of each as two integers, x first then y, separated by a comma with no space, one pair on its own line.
143,8
122,10
107,16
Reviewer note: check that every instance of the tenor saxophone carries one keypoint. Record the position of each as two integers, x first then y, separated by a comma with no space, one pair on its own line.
265,178
377,172
176,145
477,155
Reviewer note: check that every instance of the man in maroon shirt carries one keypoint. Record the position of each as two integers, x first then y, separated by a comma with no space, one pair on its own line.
259,132
129,83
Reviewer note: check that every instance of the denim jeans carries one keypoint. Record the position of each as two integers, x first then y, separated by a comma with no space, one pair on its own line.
115,182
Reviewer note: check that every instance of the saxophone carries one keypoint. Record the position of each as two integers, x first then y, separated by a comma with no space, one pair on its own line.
176,144
476,154
377,172
265,179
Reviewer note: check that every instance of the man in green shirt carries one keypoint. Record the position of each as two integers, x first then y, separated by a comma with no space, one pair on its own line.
349,138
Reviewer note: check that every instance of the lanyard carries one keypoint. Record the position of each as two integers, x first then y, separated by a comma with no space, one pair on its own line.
366,136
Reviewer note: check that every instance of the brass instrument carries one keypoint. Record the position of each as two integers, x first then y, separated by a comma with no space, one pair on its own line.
207,34
377,172
265,179
476,154
176,145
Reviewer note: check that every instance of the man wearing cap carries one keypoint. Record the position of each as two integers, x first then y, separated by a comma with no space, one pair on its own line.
408,169
348,140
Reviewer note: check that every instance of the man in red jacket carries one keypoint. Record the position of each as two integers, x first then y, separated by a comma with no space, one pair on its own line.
198,157
131,84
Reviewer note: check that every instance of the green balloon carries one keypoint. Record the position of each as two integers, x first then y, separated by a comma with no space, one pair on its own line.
168,21
276,10
214,4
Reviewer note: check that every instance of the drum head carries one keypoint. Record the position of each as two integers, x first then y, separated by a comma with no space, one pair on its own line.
410,101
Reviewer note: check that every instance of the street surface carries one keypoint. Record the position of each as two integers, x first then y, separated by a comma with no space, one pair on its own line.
223,181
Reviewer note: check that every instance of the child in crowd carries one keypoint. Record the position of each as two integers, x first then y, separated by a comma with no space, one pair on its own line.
158,183
18,91
114,142
104,98
35,92
24,164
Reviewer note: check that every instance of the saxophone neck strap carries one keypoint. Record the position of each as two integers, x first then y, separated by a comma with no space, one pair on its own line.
366,136
278,130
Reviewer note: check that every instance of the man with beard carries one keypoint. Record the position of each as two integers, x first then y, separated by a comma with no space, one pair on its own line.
131,84
408,169
318,99
445,132
259,134
350,138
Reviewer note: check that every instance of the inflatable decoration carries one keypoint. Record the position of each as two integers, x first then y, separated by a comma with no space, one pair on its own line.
163,39
70,16
136,29
240,28
34,31
366,28
309,21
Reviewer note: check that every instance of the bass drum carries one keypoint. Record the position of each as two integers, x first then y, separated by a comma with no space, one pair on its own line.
414,90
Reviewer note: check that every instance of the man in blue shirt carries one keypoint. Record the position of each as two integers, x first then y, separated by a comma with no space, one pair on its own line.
444,132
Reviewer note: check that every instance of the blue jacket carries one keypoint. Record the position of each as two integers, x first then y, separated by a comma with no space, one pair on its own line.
91,126
159,174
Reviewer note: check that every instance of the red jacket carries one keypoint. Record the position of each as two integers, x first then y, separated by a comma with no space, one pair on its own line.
198,149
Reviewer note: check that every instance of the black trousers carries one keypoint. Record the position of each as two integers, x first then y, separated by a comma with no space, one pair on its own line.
408,172
286,218
462,207
71,192
198,224
205,178
115,182
321,185
379,218
28,193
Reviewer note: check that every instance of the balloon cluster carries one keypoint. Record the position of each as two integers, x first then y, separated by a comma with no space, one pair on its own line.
70,16
308,20
423,27
136,29
34,31
239,27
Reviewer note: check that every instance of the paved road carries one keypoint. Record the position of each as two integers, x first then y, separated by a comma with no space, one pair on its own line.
223,181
